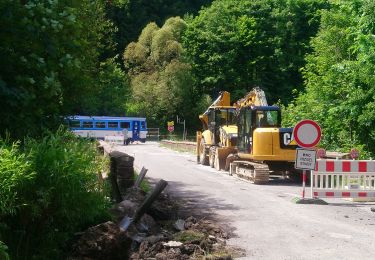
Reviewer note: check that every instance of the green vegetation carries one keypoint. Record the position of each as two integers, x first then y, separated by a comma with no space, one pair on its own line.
339,79
179,147
49,190
189,236
234,45
160,59
161,81
50,57
131,16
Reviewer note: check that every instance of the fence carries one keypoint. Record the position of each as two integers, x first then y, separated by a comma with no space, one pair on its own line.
153,134
343,179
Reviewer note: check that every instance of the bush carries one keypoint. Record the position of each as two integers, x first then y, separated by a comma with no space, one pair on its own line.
3,251
62,195
15,175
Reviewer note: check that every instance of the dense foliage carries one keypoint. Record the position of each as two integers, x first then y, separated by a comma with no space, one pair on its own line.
339,76
161,81
139,58
50,61
235,45
48,189
131,16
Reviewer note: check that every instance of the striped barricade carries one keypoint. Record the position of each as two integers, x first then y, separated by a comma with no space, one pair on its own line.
343,179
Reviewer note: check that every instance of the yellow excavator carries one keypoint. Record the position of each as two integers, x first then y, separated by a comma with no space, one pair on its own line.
262,144
218,139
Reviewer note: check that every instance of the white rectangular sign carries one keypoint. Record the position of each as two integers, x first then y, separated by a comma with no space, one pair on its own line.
305,159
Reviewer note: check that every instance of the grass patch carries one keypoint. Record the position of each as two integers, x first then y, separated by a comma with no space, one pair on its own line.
224,253
189,236
179,147
145,185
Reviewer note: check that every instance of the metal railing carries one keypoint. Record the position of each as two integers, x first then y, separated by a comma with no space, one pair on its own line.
153,134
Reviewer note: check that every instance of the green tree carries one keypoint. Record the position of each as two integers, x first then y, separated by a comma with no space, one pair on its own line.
112,90
49,61
161,81
131,16
339,78
234,45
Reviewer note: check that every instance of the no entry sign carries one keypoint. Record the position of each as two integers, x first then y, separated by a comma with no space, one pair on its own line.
307,133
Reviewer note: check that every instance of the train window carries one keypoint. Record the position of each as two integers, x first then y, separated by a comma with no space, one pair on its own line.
143,124
124,125
112,124
74,123
100,124
87,124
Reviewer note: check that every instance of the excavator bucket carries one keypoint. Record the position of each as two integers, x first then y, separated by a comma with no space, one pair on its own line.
221,157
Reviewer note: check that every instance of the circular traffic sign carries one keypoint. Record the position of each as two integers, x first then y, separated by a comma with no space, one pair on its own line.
321,153
354,153
171,128
307,133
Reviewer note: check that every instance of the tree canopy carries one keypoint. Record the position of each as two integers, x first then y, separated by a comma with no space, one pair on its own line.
63,57
339,77
50,61
235,45
161,81
131,16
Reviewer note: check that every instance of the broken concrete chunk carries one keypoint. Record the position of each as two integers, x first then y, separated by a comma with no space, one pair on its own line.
179,225
173,244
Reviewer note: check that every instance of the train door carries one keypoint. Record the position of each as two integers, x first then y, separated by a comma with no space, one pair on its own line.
136,129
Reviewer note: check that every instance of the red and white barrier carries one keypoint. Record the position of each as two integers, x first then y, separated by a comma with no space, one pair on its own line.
343,179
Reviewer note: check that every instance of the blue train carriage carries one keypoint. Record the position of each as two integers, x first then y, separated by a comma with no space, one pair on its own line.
122,129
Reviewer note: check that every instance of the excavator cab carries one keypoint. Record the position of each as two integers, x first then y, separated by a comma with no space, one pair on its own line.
253,117
218,118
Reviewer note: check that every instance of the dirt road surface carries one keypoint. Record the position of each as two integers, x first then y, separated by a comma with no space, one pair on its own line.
265,221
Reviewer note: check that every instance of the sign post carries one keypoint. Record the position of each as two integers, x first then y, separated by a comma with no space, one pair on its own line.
307,134
305,160
170,126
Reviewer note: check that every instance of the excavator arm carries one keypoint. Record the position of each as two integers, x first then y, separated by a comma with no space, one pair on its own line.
255,97
222,100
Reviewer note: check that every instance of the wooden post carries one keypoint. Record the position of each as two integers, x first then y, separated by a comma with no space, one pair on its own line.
150,198
140,177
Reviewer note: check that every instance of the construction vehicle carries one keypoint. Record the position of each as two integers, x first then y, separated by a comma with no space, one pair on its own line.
219,136
262,145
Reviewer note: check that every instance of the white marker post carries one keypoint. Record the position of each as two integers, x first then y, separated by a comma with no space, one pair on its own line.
307,134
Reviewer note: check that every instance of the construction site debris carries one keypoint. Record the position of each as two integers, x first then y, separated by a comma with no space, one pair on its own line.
154,238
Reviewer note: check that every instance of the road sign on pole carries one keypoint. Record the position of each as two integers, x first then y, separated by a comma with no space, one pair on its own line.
170,126
307,133
305,159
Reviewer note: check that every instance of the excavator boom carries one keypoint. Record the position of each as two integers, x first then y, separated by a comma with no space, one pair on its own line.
256,97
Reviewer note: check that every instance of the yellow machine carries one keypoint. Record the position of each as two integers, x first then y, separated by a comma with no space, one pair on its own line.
219,136
262,144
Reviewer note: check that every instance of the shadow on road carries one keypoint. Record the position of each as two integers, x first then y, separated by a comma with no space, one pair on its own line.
198,204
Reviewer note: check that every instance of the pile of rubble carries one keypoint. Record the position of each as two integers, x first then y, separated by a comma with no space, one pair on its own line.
159,234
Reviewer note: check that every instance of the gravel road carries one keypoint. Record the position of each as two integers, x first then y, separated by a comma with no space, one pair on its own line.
265,221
